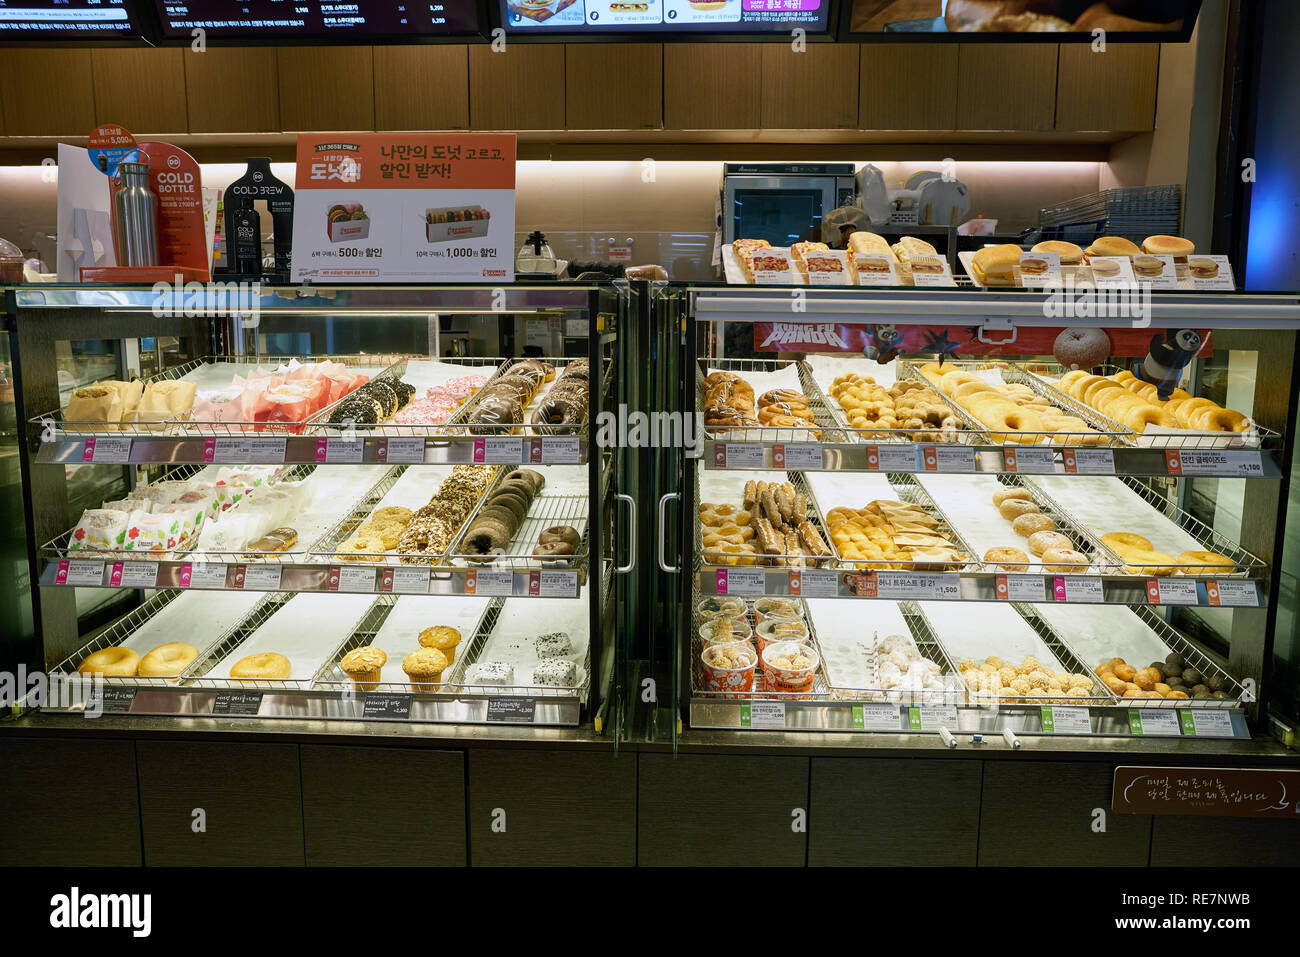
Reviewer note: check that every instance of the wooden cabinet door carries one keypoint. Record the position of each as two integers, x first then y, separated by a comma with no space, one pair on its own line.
1006,86
233,90
521,88
712,86
326,91
614,86
907,86
422,87
1114,90
143,90
812,90
48,93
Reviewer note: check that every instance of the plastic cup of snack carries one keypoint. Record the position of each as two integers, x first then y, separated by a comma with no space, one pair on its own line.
784,609
711,634
779,629
729,669
708,608
789,666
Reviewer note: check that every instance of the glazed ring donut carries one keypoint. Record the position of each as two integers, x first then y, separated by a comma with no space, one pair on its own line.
1064,560
1220,420
567,534
267,665
1145,390
1185,411
1016,424
967,389
116,662
167,661
1007,559
1014,508
949,383
1139,417
1087,391
1127,541
1041,542
1123,376
1067,383
1027,525
1200,563
1016,492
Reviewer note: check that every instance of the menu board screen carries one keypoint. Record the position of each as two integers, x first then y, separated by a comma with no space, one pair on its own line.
665,16
1048,21
66,19
315,19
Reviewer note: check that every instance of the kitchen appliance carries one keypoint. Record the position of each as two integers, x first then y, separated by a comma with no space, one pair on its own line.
782,202
928,199
536,259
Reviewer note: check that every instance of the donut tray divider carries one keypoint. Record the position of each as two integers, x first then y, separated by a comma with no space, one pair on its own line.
1246,564
57,548
774,561
1084,541
1032,374
826,422
459,423
928,646
118,632
969,434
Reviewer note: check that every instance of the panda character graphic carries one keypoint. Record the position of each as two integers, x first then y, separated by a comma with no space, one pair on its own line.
884,343
1164,364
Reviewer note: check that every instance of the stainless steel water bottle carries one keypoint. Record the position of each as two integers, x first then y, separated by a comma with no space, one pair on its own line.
135,217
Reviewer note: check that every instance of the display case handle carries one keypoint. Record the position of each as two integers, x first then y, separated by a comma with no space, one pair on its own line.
631,537
663,507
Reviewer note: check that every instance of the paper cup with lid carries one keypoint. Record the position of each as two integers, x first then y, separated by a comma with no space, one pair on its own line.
789,665
729,669
778,629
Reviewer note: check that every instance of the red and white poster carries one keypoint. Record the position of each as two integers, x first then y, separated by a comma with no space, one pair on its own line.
421,207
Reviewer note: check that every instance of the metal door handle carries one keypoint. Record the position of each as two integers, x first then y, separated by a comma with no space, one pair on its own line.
663,528
631,526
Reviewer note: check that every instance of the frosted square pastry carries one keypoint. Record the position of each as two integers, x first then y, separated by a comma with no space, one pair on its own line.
553,645
555,673
490,673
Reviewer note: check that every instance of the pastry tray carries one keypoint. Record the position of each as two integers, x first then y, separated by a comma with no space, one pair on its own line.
764,375
459,423
814,515
508,634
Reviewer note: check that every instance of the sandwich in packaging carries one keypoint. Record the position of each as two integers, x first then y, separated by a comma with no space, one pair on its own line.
904,250
744,250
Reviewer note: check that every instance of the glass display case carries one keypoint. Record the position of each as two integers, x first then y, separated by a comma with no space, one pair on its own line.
345,503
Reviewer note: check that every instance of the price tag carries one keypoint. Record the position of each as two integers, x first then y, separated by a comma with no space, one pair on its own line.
202,575
1172,591
102,450
762,714
736,456
553,584
892,458
1021,588
1151,722
1089,461
112,701
347,578
1211,272
798,457
1029,461
483,581
405,581
498,450
557,450
1077,588
1207,723
335,451
876,717
1058,720
237,702
1040,269
741,581
814,583
243,451
931,271
948,458
512,710
261,577
79,572
931,717
920,587
405,450
134,575
390,707
1227,463
1232,594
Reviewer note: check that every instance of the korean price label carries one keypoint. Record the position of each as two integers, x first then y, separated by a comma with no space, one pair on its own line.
1089,461
1153,722
892,458
405,581
133,575
1020,588
553,584
762,714
202,575
1172,591
1205,723
261,577
1230,463
920,587
1059,720
482,581
798,457
498,450
734,455
740,581
400,450
927,717
104,450
243,451
79,572
1029,461
347,578
814,583
555,450
948,458
334,450
1077,588
1232,594
874,716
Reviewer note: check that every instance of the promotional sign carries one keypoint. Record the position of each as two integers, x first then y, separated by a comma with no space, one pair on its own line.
433,207
659,16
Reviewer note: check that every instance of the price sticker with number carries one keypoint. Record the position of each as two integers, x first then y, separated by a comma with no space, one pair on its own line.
892,458
798,457
400,450
947,458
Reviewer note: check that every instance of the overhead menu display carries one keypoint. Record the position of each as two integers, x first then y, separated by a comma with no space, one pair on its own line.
650,16
66,19
249,19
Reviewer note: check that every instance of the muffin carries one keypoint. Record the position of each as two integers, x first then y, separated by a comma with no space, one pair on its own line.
363,666
424,668
444,638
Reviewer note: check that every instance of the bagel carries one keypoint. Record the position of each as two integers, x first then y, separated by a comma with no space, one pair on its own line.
266,666
1200,563
167,661
1027,525
1064,560
1142,561
1016,492
1007,559
115,662
1041,542
1125,540
1014,508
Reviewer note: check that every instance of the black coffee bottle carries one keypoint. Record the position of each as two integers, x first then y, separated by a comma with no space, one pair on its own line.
258,183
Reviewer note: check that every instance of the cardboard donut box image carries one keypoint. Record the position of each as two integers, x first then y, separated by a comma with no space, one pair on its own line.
447,223
347,222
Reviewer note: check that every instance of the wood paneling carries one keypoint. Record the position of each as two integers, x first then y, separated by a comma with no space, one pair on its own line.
881,811
422,87
552,808
812,90
907,86
48,93
250,795
68,803
326,89
700,810
1192,841
1006,86
1114,90
521,88
232,90
373,807
143,90
614,86
712,86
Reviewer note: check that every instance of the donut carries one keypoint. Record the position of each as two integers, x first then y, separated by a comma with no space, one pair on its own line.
1016,492
1118,541
1040,542
1027,525
1202,562
1017,424
167,661
1081,347
267,665
1219,420
1139,417
1015,507
560,533
967,389
710,517
115,662
1008,559
1189,407
487,536
552,549
1143,561
1064,560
